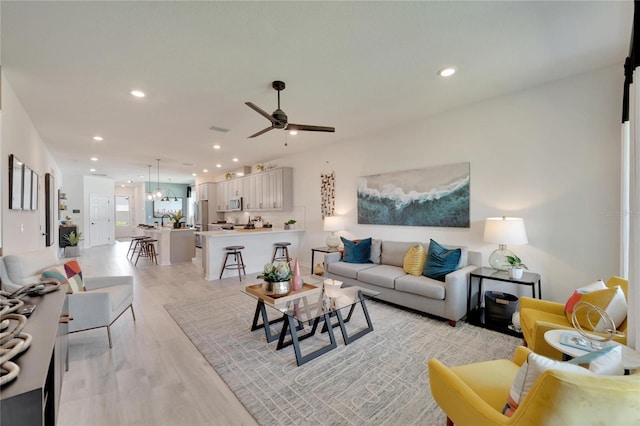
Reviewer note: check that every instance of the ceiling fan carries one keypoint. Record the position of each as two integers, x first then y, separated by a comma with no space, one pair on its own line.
279,119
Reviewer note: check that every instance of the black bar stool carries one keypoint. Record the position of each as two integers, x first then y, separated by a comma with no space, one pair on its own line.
283,247
134,245
148,250
237,258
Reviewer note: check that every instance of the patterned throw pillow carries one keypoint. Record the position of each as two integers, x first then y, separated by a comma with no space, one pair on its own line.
58,274
414,260
611,300
74,274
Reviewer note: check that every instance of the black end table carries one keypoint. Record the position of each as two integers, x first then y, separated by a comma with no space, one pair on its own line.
321,250
475,314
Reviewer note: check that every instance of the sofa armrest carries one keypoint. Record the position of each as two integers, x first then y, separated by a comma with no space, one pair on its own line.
93,283
456,292
332,257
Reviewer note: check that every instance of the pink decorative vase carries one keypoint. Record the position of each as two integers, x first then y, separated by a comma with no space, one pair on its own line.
296,281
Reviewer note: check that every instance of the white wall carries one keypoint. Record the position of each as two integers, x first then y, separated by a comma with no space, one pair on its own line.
549,154
22,230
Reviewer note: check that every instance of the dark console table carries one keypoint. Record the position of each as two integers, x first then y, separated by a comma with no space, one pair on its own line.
33,397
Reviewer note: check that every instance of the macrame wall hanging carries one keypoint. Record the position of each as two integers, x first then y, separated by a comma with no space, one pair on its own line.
327,191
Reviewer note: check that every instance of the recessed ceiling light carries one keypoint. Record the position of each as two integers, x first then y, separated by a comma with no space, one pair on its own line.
98,138
205,170
218,165
94,158
447,72
138,93
194,174
129,181
141,177
92,170
293,132
235,160
122,185
216,147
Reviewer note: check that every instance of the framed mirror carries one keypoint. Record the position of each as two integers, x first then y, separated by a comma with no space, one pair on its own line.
34,190
15,183
26,188
51,206
170,206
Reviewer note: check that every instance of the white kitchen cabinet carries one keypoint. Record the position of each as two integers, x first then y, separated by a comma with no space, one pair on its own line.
205,191
270,191
222,196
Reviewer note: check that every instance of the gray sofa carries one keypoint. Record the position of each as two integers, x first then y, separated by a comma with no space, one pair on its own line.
385,274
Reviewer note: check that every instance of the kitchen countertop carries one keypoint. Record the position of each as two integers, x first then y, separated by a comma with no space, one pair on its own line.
241,231
167,229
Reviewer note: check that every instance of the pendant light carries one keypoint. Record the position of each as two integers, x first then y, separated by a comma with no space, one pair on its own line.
149,193
159,192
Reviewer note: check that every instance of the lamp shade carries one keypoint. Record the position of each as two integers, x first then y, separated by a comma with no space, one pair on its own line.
505,230
333,223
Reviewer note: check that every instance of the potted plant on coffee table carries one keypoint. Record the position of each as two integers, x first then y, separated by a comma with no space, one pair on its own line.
72,250
277,279
516,267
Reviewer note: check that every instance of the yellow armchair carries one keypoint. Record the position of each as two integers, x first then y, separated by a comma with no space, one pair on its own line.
475,395
538,316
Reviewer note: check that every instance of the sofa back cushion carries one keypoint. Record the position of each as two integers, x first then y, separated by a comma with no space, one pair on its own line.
26,268
393,252
376,251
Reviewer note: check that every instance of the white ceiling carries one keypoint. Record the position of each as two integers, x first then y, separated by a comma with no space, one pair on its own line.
357,66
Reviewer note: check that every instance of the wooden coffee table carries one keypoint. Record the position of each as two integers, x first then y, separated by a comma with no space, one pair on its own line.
303,310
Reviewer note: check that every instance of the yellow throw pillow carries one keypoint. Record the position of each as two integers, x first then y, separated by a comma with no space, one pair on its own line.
414,260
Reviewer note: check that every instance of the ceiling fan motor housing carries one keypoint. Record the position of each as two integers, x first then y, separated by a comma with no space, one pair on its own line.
281,117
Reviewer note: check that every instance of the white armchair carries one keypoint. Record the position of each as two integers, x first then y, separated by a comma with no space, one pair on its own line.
104,301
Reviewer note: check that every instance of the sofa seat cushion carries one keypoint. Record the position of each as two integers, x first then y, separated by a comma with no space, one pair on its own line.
421,286
381,275
347,270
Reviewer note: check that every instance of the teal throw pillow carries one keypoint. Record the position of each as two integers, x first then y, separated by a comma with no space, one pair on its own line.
440,261
356,252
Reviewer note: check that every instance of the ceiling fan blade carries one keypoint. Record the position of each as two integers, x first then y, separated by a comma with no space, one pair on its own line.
261,132
310,128
262,112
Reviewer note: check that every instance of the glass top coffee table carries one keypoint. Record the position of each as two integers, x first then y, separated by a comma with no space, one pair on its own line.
303,311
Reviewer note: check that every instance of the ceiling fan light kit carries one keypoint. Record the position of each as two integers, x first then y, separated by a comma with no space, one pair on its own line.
279,119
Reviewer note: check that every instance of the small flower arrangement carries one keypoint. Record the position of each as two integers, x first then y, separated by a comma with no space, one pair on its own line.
276,272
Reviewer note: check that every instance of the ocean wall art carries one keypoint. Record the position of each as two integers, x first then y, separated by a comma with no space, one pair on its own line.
434,196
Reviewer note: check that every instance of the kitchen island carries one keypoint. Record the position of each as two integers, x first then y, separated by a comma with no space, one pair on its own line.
174,245
258,248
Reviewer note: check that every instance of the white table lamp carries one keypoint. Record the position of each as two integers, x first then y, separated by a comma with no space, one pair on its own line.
502,231
333,224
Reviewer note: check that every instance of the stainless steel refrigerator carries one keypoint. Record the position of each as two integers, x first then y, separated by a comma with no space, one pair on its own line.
201,219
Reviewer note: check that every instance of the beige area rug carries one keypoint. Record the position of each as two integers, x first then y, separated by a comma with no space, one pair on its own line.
380,379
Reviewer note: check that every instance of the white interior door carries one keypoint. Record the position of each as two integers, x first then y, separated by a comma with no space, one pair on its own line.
99,220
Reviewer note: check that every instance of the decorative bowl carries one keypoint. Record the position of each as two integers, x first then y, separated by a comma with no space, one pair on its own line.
276,289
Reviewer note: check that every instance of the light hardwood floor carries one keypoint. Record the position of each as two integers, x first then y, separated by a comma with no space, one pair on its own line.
153,375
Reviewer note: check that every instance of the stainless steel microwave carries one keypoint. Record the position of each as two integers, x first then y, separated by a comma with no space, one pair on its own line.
235,203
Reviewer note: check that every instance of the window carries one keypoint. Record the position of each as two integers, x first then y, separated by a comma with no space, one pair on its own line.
122,211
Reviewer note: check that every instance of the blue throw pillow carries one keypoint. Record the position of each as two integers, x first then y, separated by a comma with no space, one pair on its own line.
440,261
356,252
